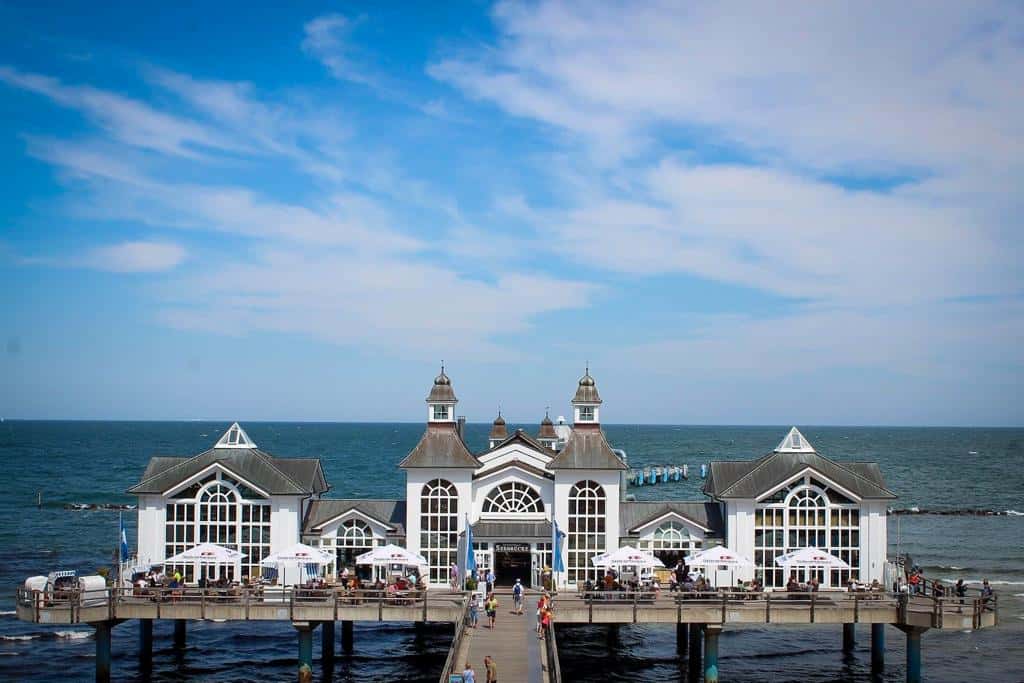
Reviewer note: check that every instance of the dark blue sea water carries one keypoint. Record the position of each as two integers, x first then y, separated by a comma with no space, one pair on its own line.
95,462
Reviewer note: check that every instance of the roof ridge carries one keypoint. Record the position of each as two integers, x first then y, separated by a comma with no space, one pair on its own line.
761,462
841,466
273,464
187,460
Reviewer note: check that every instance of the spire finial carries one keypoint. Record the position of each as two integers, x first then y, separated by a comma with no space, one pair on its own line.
442,366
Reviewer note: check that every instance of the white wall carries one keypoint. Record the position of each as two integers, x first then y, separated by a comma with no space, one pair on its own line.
739,533
285,521
609,480
151,531
874,542
416,477
483,486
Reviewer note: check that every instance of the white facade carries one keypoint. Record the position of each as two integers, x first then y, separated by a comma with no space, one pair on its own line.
512,495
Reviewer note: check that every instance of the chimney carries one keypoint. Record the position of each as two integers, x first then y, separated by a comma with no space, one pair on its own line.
460,427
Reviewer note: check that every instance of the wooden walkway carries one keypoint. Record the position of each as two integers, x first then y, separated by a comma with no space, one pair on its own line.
512,644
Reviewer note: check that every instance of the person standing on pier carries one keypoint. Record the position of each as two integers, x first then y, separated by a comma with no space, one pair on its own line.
468,675
474,609
491,578
517,597
491,607
492,669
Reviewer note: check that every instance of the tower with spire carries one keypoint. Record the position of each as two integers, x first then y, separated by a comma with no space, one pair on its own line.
499,432
547,435
586,404
441,402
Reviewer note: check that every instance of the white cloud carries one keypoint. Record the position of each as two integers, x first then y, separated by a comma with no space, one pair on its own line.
327,40
135,257
126,120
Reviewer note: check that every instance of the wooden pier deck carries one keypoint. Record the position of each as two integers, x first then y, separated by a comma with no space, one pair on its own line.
513,643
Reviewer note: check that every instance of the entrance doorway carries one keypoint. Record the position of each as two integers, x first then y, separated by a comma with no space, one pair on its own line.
511,562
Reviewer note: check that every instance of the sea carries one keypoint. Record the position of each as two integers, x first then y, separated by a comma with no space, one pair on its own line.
930,469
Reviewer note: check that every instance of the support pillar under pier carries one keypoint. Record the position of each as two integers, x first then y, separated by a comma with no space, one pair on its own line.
179,634
346,636
711,653
305,630
102,650
145,643
849,637
682,638
327,641
694,658
914,654
877,648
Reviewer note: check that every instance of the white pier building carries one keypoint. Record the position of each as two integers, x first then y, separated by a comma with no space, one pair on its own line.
511,492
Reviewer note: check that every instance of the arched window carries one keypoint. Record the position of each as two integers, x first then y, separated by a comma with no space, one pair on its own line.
513,497
586,534
808,514
670,542
439,527
224,511
353,538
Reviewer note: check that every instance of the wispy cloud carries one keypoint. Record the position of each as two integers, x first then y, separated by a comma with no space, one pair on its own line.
135,257
326,39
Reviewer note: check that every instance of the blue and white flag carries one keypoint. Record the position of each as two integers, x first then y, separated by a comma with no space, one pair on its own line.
124,541
556,546
470,555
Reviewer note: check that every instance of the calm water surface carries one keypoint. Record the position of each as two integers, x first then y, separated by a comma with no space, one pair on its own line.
95,462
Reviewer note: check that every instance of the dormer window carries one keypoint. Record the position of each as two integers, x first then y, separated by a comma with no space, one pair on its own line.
440,413
586,413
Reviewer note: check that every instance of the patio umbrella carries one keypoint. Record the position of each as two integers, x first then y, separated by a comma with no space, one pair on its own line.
626,555
811,557
391,554
717,556
300,552
207,554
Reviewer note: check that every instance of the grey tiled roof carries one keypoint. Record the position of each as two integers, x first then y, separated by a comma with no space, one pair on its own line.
512,530
440,447
586,449
276,476
388,512
706,514
750,479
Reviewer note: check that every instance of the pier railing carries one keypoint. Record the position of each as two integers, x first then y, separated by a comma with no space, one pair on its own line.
971,611
236,603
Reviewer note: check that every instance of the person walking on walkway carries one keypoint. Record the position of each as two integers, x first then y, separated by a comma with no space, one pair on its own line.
517,597
545,621
542,604
492,669
491,607
491,578
474,610
468,675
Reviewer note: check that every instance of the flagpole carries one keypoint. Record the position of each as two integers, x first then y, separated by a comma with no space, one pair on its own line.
120,546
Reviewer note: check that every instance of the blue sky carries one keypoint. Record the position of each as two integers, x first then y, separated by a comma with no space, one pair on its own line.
736,214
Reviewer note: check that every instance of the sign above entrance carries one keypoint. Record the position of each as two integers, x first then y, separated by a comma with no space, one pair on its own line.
511,547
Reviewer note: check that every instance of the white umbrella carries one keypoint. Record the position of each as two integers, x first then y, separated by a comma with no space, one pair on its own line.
206,553
391,554
626,555
300,552
811,557
719,555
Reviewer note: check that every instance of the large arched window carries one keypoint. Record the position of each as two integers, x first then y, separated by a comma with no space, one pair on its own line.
670,542
219,509
806,513
586,534
354,537
439,527
513,497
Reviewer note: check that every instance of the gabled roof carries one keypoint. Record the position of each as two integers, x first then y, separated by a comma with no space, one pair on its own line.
276,476
753,478
523,438
633,515
536,471
586,449
440,446
389,513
